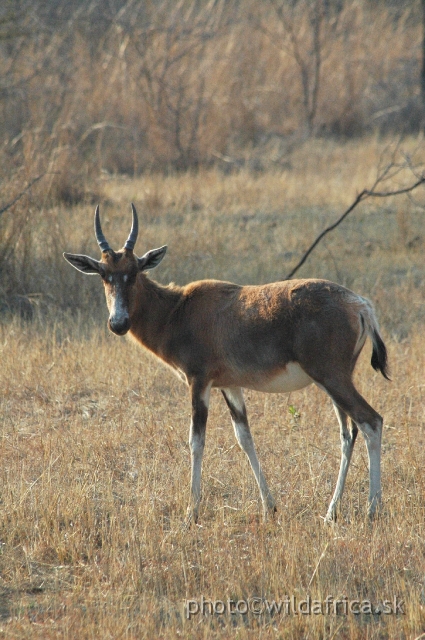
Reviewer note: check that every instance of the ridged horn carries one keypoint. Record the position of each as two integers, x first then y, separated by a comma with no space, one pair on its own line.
131,240
101,240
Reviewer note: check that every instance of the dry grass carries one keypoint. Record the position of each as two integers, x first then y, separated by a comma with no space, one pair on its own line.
95,461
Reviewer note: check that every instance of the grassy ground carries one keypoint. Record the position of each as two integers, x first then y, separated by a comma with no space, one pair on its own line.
95,461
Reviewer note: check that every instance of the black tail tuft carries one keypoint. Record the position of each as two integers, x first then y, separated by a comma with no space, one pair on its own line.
379,355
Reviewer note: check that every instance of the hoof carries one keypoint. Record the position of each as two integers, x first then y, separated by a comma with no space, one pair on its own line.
269,512
191,518
185,525
330,518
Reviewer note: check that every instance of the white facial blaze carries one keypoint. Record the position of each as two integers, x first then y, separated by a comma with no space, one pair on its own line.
118,311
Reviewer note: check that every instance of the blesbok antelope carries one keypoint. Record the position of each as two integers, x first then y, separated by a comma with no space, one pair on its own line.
274,338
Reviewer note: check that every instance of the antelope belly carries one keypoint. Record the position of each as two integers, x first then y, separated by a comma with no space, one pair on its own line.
289,379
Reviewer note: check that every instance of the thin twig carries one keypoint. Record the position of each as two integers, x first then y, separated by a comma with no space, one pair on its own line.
366,193
19,196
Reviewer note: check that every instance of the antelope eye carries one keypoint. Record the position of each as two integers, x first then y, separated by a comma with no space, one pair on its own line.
130,278
105,277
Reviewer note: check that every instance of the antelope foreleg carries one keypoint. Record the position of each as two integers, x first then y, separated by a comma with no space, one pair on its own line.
200,401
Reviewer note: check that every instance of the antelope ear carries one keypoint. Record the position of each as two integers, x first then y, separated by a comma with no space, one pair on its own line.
84,263
151,259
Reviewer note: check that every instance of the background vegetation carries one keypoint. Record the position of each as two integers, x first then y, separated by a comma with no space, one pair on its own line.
240,130
89,91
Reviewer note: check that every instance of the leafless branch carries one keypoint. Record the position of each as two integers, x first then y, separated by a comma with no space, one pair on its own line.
20,195
363,195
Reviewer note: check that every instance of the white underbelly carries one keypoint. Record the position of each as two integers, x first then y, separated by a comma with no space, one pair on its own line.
290,379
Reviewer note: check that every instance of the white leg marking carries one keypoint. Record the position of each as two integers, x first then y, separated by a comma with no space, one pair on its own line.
243,436
372,435
373,444
197,443
347,446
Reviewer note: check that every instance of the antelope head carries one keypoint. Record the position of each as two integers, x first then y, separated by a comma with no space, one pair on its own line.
119,271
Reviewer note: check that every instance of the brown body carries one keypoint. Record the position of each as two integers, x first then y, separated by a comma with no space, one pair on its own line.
246,336
274,338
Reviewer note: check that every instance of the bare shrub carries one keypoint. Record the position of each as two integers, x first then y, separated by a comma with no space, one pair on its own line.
172,85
